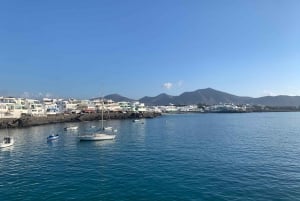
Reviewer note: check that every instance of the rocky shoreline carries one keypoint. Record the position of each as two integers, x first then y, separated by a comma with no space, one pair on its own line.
28,121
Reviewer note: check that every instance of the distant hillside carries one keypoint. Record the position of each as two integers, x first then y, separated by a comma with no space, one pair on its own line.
118,98
276,101
211,96
161,99
206,96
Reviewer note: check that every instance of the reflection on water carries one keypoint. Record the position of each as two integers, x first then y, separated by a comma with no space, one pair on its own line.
7,149
95,143
52,143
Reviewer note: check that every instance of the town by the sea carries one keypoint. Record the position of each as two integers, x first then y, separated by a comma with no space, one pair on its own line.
201,156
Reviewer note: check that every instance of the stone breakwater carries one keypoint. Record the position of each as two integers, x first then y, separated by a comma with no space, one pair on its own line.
28,121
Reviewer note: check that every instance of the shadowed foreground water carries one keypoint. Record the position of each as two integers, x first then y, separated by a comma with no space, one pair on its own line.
251,156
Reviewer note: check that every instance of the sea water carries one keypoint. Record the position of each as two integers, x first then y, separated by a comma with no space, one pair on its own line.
250,156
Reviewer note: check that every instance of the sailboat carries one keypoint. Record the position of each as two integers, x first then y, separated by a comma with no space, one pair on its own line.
99,135
109,128
7,141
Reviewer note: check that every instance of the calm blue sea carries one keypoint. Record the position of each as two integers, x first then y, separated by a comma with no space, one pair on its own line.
252,156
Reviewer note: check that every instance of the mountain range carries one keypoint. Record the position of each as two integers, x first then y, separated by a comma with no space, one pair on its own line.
211,96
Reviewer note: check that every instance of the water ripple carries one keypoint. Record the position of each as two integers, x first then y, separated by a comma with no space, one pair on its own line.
175,157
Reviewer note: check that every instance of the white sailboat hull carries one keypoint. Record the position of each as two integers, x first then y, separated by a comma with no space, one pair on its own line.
96,137
7,144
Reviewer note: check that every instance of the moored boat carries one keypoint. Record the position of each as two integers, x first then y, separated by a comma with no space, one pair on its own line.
96,137
7,141
71,128
108,128
52,137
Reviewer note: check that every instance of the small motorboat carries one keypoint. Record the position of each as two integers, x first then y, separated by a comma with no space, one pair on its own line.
108,128
7,141
52,137
71,128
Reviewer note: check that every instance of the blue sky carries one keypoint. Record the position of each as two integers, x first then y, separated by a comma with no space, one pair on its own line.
84,49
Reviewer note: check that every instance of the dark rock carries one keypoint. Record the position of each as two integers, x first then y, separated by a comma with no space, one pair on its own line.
28,121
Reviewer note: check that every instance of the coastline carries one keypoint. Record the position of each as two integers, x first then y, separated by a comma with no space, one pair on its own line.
28,121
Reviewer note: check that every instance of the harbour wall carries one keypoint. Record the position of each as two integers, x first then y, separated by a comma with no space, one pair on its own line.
27,121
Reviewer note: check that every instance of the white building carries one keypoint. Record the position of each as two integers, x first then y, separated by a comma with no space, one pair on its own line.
110,105
190,108
12,107
70,105
51,106
35,107
169,108
139,107
225,108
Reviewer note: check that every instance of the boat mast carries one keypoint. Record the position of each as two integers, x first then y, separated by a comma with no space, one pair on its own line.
7,129
102,114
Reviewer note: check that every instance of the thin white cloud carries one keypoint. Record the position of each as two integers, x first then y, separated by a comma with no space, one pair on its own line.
175,85
288,92
269,93
167,85
48,95
180,83
36,95
25,94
